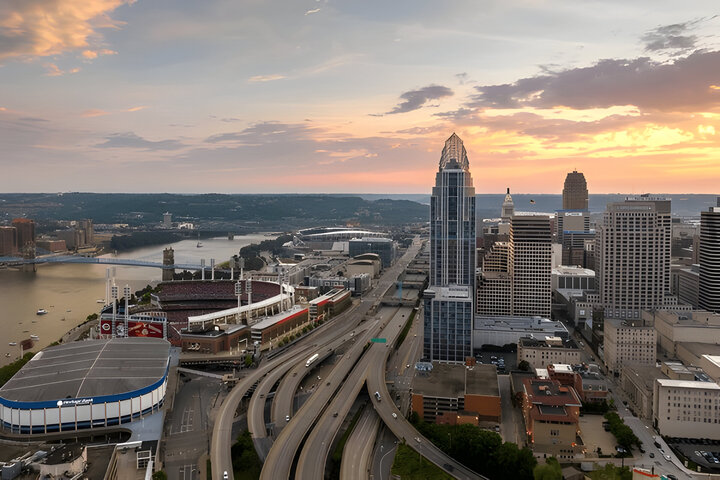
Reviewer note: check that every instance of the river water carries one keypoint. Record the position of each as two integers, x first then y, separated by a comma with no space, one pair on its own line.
69,292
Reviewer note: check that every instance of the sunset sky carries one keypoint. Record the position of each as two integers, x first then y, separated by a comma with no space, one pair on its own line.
329,96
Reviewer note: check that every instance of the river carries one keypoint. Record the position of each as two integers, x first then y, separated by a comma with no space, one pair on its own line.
69,292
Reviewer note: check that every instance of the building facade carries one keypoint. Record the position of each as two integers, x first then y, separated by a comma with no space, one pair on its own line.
385,248
448,322
8,241
628,343
709,288
575,192
508,207
551,350
452,219
687,409
530,261
449,301
25,231
516,277
633,258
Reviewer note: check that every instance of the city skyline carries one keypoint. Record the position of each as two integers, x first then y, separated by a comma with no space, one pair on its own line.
323,96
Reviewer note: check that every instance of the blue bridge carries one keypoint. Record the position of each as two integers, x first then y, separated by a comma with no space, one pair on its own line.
17,261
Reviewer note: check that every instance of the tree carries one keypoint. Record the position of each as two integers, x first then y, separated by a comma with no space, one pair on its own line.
248,360
524,365
159,475
550,470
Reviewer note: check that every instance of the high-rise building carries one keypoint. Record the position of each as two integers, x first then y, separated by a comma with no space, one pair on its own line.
25,231
531,265
633,256
8,241
508,207
709,291
87,227
449,300
516,276
572,223
452,218
575,192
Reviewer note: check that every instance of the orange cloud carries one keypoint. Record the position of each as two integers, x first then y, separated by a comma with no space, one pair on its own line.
53,70
41,28
265,78
94,112
92,54
136,109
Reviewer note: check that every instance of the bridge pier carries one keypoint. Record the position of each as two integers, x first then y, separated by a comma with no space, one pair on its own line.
168,259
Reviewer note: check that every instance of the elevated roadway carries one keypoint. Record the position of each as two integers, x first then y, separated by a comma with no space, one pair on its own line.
282,405
404,430
256,408
359,447
316,450
221,444
282,454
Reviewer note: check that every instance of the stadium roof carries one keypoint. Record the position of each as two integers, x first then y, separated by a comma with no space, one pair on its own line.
89,369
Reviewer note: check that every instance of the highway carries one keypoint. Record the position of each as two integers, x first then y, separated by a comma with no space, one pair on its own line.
316,450
359,447
404,430
282,405
280,459
256,408
221,459
222,439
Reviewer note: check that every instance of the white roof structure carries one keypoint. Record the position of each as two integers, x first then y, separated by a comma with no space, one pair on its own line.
668,382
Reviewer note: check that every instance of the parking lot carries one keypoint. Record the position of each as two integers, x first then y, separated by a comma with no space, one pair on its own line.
509,359
705,453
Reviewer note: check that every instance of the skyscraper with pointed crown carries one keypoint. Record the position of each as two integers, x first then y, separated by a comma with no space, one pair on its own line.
450,297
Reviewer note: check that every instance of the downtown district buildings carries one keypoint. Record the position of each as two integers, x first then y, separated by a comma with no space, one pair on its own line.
614,273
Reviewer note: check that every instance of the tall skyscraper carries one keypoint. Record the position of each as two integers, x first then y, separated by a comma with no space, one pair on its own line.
531,265
449,300
8,241
25,231
516,276
575,192
452,219
633,256
709,292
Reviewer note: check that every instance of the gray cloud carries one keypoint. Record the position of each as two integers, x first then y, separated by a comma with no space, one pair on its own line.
415,99
683,84
265,132
131,140
670,37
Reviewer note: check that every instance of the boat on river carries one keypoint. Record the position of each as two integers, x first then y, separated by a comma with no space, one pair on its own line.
34,337
41,311
12,344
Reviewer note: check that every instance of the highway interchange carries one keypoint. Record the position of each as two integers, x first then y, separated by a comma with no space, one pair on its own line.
301,447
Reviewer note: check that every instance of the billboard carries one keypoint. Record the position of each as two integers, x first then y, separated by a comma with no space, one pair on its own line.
136,328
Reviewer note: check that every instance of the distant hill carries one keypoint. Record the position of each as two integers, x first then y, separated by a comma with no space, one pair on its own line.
282,212
272,211
489,205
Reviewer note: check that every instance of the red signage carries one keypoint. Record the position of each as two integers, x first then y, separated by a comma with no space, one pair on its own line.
145,329
135,328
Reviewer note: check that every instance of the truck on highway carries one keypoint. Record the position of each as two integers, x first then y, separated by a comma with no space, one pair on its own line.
311,360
